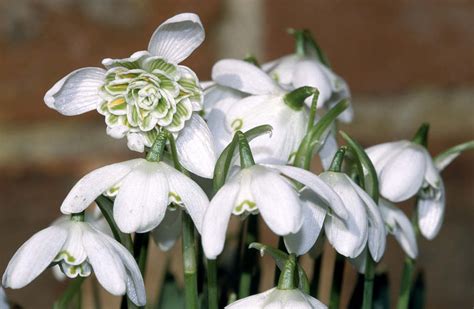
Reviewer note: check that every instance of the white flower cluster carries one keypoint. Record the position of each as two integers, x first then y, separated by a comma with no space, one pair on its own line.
150,94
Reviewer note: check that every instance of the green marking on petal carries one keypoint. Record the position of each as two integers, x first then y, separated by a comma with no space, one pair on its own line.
245,206
237,124
174,198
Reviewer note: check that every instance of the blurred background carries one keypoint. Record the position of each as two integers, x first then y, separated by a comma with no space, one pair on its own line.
406,62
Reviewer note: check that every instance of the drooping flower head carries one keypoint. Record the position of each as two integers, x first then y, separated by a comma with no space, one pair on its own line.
78,248
146,93
145,191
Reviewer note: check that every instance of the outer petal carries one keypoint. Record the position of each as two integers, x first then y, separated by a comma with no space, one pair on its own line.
216,219
166,234
106,264
86,190
194,199
348,236
309,72
382,153
135,285
34,256
196,148
313,219
318,186
254,301
276,200
142,200
377,233
77,92
328,150
400,226
402,177
244,76
177,37
282,70
431,211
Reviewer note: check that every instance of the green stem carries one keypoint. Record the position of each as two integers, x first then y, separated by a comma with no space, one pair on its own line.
295,99
155,153
312,111
189,263
246,157
314,285
140,250
72,291
248,258
405,287
368,282
212,290
281,247
337,282
287,276
336,163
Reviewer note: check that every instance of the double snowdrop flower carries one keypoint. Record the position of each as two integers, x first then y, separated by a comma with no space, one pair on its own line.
276,298
264,105
294,71
266,190
78,248
147,92
145,191
404,169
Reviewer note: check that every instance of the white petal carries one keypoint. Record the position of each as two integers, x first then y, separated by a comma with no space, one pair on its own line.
432,176
107,266
254,301
86,190
403,175
309,72
196,148
166,234
313,219
216,94
243,76
34,256
276,200
400,226
377,233
134,281
136,142
360,261
177,37
73,246
216,219
382,153
194,199
328,150
348,237
289,126
142,200
318,186
431,212
77,92
282,70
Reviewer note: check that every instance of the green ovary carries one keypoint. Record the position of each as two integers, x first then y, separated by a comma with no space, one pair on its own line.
148,94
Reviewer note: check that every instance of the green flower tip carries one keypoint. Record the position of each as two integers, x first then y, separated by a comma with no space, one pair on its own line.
421,136
287,276
295,99
336,163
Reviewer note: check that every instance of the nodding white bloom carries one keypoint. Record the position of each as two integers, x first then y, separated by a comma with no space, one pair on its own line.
364,225
398,224
145,93
294,71
279,299
146,189
404,169
264,105
268,191
79,249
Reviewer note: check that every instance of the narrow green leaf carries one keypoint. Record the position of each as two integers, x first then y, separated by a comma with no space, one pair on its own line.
314,139
446,157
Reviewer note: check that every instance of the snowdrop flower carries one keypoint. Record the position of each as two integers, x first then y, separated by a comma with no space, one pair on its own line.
265,190
404,169
400,227
276,298
146,190
145,93
79,249
294,71
364,225
264,105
